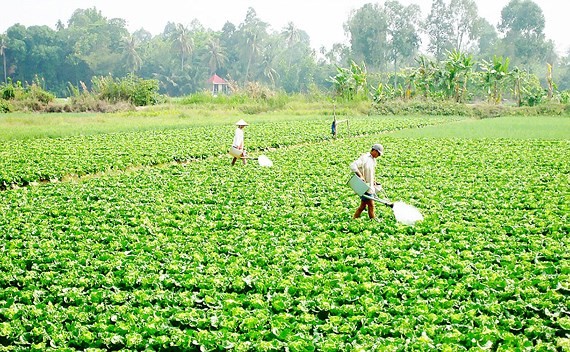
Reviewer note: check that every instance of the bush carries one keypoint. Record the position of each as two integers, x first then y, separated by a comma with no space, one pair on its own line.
551,109
36,93
90,103
315,94
5,106
253,99
111,95
8,92
480,110
564,97
202,98
400,107
142,92
31,97
257,91
132,89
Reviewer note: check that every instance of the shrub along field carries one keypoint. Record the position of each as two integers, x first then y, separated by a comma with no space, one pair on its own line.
203,256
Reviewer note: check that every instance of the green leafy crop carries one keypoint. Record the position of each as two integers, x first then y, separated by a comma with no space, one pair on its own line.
205,256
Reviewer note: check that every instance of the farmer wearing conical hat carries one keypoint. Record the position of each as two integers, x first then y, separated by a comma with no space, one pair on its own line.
365,168
237,150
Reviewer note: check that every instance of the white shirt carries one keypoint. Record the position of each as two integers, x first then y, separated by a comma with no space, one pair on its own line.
366,166
238,139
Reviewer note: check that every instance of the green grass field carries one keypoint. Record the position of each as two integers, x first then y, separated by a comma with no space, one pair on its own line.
27,126
18,126
537,127
162,245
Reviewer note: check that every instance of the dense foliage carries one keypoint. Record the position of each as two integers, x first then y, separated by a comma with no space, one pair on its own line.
385,37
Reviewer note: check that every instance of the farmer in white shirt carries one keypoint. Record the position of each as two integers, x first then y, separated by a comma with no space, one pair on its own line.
237,150
365,168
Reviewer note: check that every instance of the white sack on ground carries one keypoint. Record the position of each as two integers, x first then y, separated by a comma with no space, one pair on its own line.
264,161
406,214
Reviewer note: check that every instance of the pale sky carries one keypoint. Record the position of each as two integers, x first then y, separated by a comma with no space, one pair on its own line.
321,19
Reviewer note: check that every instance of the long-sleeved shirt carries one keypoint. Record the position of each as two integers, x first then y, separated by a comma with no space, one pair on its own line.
238,139
366,166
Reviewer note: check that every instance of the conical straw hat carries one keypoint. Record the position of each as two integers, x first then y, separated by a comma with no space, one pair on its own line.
242,123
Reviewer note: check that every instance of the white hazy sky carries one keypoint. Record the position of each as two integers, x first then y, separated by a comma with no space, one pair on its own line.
321,19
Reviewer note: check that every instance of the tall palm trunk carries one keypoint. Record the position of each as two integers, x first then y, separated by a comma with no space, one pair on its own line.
4,59
3,53
550,81
395,72
252,46
247,68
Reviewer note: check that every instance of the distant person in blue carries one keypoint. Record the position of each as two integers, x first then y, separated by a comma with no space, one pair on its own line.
333,128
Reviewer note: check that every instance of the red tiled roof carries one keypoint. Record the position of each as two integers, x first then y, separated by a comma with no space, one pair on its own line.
216,79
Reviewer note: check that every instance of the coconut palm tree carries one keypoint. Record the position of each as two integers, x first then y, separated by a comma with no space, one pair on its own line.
252,33
253,49
132,57
292,36
267,62
182,42
216,54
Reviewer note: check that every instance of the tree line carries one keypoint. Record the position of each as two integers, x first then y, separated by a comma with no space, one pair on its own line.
458,79
385,39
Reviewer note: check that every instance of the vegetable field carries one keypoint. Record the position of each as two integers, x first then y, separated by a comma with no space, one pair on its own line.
165,246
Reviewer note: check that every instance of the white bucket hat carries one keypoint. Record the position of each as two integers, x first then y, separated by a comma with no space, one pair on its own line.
379,148
242,123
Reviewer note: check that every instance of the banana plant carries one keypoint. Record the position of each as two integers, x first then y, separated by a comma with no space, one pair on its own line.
526,88
409,78
429,77
459,67
341,83
423,74
517,76
494,76
378,95
350,82
359,77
